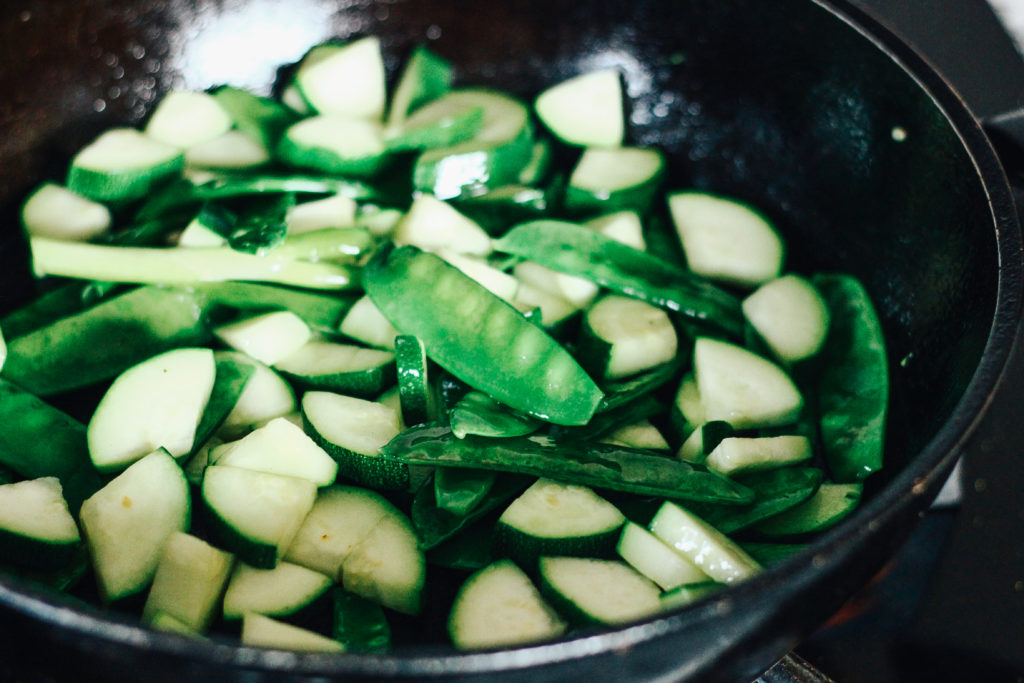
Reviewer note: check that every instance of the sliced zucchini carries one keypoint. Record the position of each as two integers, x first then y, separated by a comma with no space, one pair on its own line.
266,396
494,156
128,522
365,323
586,110
37,530
279,447
624,336
426,77
621,226
341,517
606,180
339,367
337,211
352,431
790,316
267,337
494,280
656,560
726,240
641,434
346,79
230,151
578,291
415,393
598,591
706,547
287,591
254,514
123,164
742,454
189,582
498,606
335,144
550,518
432,224
58,213
186,118
387,566
262,631
742,388
681,596
155,404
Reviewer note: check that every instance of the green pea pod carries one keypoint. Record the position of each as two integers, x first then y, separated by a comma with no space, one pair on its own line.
40,441
435,525
478,337
232,375
360,624
775,491
853,392
598,465
576,250
101,342
480,415
459,491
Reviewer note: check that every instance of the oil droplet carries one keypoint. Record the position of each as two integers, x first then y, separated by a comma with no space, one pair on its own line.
433,32
980,485
99,105
899,134
25,16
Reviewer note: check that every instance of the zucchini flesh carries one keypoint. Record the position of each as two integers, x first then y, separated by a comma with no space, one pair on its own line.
263,631
156,404
128,522
387,566
598,591
705,546
585,110
499,607
36,529
283,591
189,582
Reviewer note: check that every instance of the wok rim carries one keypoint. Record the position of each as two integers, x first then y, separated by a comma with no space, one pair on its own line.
909,492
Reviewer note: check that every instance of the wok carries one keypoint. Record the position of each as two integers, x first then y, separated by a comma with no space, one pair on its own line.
860,153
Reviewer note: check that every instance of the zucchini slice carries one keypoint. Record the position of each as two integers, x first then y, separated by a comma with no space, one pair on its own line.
598,591
790,316
155,404
58,213
279,447
387,566
267,337
262,631
341,517
253,514
706,547
656,560
586,110
37,530
352,431
123,164
189,582
344,368
345,79
726,240
550,518
128,523
498,606
742,388
624,336
287,591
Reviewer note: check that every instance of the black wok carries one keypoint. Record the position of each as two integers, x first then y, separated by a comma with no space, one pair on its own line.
860,153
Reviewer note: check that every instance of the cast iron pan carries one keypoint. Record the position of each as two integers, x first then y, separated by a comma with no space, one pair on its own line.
863,157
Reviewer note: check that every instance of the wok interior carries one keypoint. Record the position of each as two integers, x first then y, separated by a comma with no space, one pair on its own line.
775,103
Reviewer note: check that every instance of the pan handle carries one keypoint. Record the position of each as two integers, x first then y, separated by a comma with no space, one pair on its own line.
1006,131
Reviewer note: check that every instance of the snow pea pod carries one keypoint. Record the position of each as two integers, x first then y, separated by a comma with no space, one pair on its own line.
853,392
599,465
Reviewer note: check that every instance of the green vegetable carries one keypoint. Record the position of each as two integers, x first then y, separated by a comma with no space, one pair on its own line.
853,394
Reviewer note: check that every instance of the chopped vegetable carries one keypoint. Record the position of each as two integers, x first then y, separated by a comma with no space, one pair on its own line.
426,388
